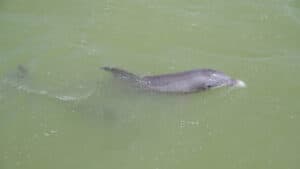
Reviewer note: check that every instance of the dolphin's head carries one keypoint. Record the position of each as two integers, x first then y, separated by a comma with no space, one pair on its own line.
219,79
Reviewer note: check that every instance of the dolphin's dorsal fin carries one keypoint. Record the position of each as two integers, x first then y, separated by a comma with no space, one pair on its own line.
121,74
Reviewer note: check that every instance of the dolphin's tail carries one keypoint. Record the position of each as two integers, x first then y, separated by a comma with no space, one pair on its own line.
122,74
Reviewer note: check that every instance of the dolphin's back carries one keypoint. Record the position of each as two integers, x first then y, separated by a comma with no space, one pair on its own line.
188,81
175,77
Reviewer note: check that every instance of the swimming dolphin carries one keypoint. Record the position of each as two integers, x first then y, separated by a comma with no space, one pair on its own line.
182,82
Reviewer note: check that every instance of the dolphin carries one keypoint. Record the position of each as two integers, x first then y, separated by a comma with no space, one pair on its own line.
181,82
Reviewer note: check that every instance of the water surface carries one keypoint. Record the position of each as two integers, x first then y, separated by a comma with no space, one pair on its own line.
58,110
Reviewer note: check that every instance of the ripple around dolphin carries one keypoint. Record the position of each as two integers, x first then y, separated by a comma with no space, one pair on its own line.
46,92
20,80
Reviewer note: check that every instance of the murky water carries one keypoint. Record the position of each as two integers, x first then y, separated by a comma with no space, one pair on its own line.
58,110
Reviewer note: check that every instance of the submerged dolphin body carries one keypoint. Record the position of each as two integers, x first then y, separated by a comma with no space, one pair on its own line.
181,82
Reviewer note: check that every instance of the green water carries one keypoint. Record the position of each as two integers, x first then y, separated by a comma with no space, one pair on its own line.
58,110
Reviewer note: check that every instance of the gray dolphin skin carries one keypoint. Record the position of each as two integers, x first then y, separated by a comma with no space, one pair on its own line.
182,82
